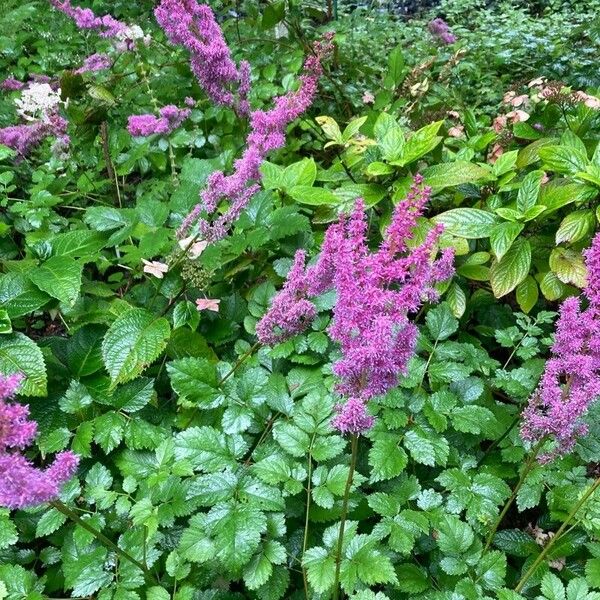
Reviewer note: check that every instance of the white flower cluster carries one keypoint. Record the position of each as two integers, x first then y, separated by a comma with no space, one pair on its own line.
37,101
127,38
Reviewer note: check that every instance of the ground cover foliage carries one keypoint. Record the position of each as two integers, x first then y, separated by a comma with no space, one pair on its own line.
405,409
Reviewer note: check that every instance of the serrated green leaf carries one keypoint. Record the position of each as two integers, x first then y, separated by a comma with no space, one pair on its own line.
511,269
469,223
19,354
60,277
133,341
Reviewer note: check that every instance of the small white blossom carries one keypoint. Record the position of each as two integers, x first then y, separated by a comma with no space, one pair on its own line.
37,101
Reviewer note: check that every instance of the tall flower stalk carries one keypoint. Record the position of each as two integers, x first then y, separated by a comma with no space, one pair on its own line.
571,378
23,484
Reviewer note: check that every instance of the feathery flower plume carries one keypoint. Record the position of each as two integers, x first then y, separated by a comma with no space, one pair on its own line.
193,26
267,132
93,63
23,484
571,379
376,292
441,30
170,119
84,18
24,138
10,84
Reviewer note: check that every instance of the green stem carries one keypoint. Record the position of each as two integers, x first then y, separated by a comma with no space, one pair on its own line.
558,534
526,470
306,518
235,367
71,514
340,542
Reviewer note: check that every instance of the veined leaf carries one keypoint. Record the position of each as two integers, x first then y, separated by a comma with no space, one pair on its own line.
470,223
133,341
19,354
511,269
59,276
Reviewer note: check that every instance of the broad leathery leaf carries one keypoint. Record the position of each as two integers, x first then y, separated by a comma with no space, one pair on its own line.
575,226
455,173
133,341
59,276
469,223
569,266
529,191
527,294
18,295
502,237
19,354
507,273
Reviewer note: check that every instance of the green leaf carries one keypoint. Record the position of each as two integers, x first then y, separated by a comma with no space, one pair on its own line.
502,237
396,65
516,543
412,579
18,295
419,143
527,294
194,544
19,354
563,159
529,191
320,568
314,196
454,536
392,143
386,458
5,323
77,243
196,380
552,287
291,438
569,266
441,323
455,173
236,530
552,587
134,340
575,226
273,14
60,277
84,350
8,531
456,299
471,418
469,223
209,450
491,570
351,130
50,521
511,269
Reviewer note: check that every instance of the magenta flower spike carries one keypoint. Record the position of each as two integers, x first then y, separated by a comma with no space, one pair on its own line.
571,378
375,294
21,483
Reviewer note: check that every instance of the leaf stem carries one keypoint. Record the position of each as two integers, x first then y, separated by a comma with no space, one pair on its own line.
557,535
71,514
526,470
306,518
340,542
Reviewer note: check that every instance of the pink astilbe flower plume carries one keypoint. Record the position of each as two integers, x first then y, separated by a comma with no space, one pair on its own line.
376,292
21,483
170,119
85,18
267,133
441,30
571,378
193,26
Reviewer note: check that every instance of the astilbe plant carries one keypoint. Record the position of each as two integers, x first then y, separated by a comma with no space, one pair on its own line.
170,119
193,26
21,483
267,128
84,18
571,378
376,292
